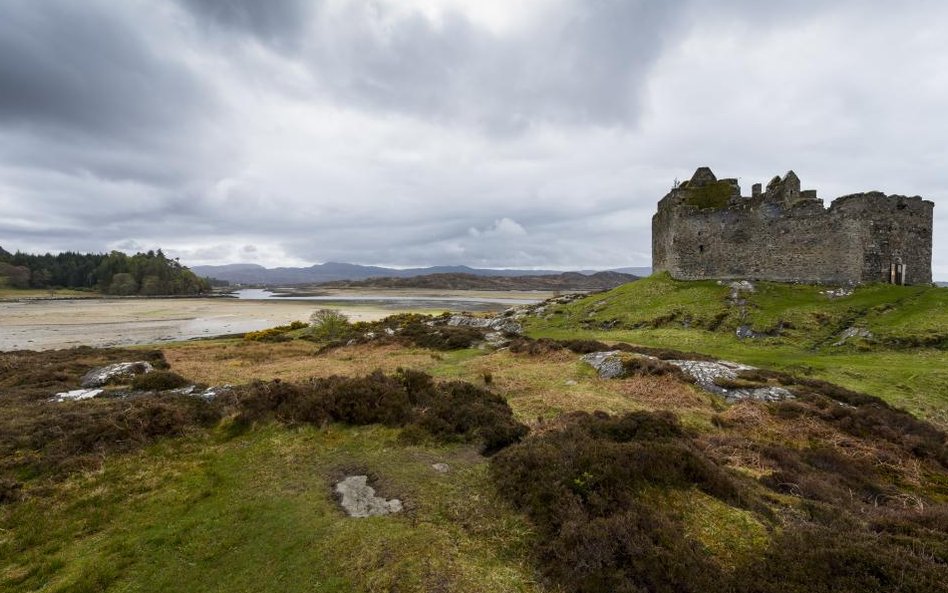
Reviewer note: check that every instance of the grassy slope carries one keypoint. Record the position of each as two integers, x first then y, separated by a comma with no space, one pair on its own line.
255,513
655,311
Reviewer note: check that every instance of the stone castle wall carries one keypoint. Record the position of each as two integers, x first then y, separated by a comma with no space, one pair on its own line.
704,229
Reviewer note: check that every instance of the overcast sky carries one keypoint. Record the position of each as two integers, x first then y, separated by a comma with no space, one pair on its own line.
493,133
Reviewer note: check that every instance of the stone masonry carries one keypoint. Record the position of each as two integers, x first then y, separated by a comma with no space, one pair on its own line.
705,229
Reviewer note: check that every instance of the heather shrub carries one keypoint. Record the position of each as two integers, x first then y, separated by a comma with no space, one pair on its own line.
640,365
583,487
455,411
67,436
159,381
10,491
817,559
461,411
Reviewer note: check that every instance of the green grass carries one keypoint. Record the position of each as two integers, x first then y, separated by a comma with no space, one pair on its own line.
697,316
256,513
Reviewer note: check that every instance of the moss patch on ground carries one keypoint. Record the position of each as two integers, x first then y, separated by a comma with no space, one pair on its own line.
256,512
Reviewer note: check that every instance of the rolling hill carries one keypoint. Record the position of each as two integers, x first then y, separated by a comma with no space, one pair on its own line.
333,271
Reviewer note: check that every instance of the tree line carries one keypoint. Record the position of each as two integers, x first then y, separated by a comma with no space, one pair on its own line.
150,273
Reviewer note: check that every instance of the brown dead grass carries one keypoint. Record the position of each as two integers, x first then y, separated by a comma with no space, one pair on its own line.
752,425
546,384
239,362
665,392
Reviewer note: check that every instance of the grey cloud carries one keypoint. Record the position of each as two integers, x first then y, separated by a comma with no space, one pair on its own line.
279,23
83,67
580,63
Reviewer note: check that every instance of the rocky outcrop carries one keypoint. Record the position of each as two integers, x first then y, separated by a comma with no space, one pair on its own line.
358,499
497,324
119,372
706,374
607,364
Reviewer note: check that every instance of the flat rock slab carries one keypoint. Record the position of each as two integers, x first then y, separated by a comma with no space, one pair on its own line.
120,371
76,395
358,499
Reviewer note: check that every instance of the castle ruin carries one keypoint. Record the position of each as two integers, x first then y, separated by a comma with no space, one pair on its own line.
705,229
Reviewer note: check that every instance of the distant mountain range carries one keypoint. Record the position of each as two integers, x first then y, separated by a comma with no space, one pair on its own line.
334,271
564,281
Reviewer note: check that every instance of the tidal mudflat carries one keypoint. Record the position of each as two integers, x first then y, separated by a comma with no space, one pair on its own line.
45,324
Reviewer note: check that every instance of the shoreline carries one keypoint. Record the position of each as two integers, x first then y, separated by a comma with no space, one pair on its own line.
56,323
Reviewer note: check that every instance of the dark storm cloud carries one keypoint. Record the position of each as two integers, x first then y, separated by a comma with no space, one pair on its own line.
578,63
83,66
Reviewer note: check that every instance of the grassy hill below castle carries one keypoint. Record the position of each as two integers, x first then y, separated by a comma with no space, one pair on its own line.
897,347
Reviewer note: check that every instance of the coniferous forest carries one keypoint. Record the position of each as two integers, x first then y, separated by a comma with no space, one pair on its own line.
116,273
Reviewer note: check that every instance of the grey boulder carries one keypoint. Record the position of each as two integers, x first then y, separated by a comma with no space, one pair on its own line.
120,371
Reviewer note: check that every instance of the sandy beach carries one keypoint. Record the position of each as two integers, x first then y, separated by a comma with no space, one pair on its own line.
45,324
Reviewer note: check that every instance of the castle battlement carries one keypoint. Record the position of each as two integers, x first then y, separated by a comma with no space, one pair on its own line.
704,228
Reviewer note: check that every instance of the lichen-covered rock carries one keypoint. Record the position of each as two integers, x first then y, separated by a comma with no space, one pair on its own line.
706,374
610,365
607,364
113,373
853,332
498,324
358,499
767,394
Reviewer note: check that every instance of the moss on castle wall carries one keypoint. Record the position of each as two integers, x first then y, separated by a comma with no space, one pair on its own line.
711,195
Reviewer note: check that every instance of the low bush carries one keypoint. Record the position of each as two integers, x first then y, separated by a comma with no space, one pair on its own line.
583,487
815,558
461,411
442,337
329,324
454,411
593,491
159,381
275,334
410,329
10,491
650,367
59,438
529,346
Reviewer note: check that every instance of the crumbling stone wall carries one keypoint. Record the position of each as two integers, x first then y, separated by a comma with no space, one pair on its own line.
704,228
